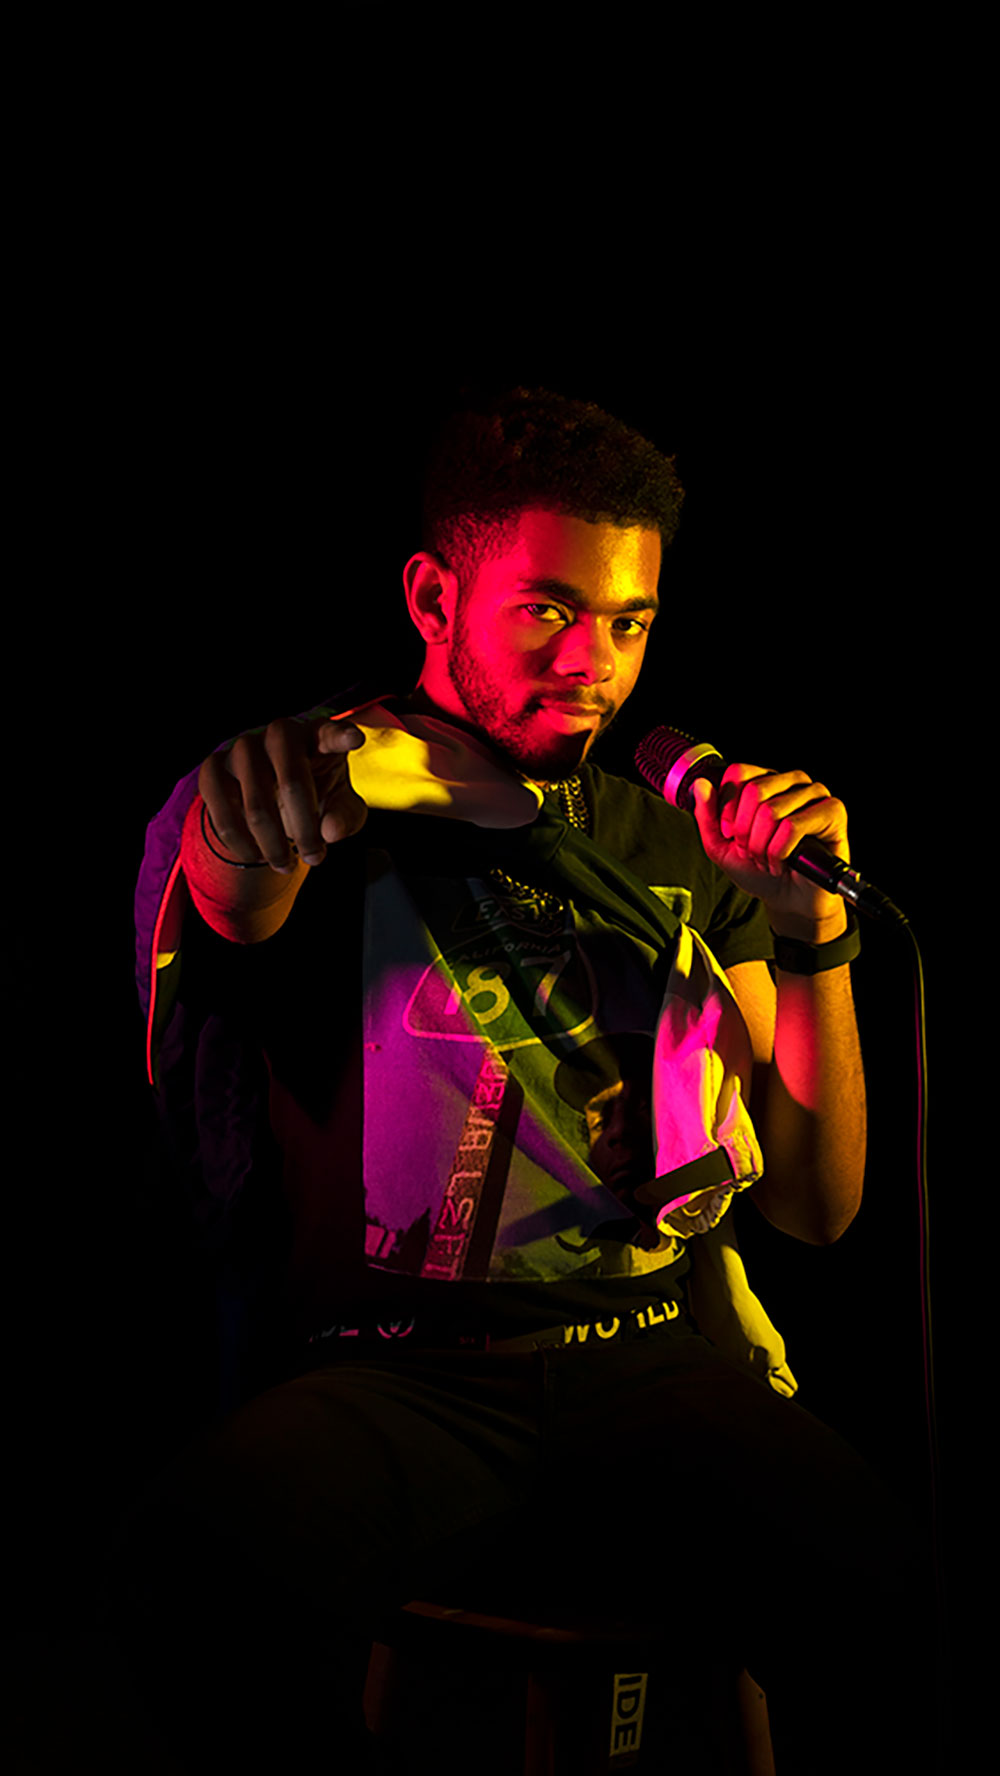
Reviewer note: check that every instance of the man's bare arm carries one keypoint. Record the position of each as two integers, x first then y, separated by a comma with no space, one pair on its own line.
808,1098
282,786
808,1095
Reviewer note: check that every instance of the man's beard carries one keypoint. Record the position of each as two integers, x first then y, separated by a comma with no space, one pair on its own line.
547,757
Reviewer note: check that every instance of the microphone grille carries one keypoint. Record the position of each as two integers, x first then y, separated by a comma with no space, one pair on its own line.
659,751
670,761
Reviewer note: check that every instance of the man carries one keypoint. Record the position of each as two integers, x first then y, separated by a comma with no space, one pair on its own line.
465,1093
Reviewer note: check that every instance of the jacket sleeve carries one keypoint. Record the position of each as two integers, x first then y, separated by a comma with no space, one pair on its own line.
706,1145
706,1151
729,1313
160,903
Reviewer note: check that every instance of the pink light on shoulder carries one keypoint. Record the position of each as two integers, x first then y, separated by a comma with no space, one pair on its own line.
165,934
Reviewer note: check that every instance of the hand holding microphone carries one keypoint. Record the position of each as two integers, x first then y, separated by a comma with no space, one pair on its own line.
777,835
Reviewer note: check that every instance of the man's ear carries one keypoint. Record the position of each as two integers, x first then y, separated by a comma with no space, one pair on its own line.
431,595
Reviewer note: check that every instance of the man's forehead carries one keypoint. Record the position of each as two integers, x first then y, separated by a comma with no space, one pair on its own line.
568,556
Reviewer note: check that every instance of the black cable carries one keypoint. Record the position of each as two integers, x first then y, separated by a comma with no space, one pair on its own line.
938,1555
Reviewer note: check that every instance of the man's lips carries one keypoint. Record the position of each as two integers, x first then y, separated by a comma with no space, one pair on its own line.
574,706
572,718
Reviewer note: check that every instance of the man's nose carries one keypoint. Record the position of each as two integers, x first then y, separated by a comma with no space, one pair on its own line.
586,653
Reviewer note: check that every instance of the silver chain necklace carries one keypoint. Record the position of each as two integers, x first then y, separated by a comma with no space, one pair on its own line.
574,802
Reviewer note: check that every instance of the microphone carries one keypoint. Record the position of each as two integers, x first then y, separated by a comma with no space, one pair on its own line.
671,762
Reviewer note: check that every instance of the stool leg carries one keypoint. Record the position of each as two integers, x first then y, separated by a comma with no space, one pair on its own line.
382,1690
541,1711
733,1733
756,1727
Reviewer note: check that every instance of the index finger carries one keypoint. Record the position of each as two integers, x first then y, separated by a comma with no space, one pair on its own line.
336,736
300,793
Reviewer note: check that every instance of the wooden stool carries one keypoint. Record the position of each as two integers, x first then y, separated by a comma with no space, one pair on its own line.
591,1694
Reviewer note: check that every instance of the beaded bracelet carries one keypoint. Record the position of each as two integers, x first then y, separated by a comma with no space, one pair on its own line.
232,861
793,956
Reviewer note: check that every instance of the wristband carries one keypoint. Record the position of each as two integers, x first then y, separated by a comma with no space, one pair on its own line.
232,861
793,956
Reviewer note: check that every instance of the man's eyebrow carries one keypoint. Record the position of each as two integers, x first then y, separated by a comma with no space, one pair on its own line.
562,589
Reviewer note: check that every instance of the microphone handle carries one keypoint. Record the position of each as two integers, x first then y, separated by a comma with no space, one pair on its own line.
811,858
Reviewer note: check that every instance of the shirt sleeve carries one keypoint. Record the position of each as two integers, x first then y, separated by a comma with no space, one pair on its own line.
663,847
737,930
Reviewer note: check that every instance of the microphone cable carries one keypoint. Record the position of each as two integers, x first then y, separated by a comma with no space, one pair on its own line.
670,762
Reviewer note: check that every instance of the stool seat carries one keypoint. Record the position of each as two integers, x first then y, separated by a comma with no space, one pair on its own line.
597,1694
526,1632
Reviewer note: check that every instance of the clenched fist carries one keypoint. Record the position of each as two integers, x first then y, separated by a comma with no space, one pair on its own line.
751,825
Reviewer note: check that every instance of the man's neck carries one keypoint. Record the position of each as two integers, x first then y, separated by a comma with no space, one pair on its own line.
420,703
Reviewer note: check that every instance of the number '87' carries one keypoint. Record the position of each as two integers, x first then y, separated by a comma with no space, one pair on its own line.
486,996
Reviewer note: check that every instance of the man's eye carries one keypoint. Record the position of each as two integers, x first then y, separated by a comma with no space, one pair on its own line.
632,627
546,613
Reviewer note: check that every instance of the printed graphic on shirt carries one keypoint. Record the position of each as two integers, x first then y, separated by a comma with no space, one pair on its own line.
467,1204
506,1095
520,986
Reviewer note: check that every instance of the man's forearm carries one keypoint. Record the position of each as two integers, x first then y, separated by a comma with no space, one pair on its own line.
243,905
812,1116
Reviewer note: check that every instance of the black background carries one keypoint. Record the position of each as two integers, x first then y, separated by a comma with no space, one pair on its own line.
264,530
230,415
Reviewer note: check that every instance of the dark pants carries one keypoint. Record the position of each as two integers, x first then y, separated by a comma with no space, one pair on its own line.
655,1476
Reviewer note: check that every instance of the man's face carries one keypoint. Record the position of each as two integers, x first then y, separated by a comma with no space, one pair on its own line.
547,642
620,1132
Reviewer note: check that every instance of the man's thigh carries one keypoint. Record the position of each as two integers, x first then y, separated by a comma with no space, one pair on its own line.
340,1485
673,1435
249,1583
682,1478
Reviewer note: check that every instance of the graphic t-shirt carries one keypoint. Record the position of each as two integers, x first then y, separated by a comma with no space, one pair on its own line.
495,1020
458,1032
